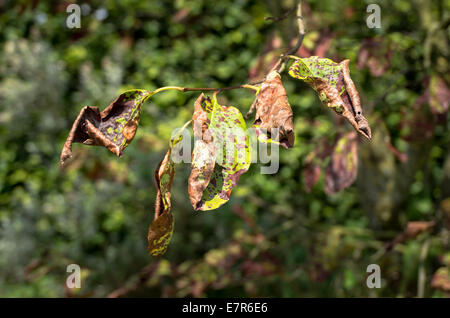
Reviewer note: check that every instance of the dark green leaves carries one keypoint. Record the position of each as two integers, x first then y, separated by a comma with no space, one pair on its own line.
335,88
220,157
113,128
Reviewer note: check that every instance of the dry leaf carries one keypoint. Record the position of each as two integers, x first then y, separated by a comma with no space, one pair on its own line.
273,111
210,184
335,88
161,230
113,128
204,154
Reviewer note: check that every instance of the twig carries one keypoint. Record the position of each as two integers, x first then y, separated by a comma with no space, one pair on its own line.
301,34
282,17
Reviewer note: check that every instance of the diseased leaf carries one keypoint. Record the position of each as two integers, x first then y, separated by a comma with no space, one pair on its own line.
113,128
342,167
210,184
204,154
161,230
273,111
335,88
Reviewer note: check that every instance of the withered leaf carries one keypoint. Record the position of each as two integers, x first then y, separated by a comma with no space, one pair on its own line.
220,156
204,154
335,88
342,167
113,128
161,230
273,111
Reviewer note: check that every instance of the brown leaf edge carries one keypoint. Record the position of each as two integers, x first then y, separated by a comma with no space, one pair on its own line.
273,111
90,126
203,155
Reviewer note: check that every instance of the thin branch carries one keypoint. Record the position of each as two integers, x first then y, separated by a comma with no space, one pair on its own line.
301,34
280,18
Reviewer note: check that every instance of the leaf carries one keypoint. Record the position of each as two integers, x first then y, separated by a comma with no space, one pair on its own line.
204,154
113,128
216,170
335,88
273,111
161,230
342,167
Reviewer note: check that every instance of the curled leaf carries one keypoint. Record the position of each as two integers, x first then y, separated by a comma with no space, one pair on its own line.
335,88
204,154
161,230
113,128
220,157
273,111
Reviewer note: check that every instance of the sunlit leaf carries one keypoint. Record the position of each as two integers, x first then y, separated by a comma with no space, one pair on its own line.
335,88
113,128
232,154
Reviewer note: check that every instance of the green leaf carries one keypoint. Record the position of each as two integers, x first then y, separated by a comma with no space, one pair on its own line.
232,155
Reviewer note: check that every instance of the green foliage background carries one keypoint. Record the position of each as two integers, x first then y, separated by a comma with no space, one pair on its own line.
272,238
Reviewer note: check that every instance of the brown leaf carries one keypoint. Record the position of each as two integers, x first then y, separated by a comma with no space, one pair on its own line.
441,279
273,110
113,128
413,229
161,229
204,154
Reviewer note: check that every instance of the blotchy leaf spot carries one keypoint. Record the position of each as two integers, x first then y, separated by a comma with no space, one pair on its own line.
335,88
220,156
113,128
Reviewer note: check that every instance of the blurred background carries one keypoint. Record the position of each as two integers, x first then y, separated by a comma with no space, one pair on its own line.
273,238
